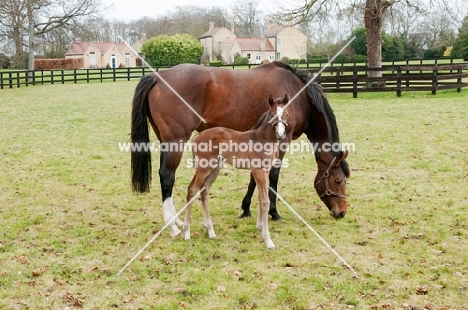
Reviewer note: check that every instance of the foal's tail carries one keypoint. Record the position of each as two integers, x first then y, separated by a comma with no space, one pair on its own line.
141,152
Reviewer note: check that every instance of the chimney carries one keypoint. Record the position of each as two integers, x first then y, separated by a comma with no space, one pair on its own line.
211,25
271,23
232,27
262,45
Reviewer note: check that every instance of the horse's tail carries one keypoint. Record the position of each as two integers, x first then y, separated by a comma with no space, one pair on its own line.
141,151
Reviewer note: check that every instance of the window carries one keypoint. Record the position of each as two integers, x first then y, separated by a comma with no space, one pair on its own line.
92,59
272,56
127,59
279,42
258,58
278,55
248,56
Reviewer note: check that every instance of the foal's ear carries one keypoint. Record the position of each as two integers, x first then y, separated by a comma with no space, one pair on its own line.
271,100
341,156
286,98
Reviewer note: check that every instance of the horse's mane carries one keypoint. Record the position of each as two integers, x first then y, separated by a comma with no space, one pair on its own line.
260,120
318,99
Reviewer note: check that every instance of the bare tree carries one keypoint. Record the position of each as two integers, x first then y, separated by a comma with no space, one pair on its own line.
31,18
375,12
246,16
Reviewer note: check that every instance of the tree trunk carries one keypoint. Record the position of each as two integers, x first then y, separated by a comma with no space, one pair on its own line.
373,19
31,47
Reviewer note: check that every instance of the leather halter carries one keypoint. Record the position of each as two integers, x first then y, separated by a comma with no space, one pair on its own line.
273,123
328,191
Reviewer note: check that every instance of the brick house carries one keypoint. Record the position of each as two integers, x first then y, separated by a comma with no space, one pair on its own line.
105,54
276,42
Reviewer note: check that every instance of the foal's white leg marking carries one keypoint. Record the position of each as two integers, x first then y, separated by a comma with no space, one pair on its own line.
186,227
263,207
265,231
259,220
169,213
206,213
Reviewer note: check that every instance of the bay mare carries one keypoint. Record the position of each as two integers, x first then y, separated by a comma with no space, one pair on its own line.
233,99
210,161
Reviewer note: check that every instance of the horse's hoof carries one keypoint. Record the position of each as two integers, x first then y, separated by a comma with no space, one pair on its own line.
245,214
210,233
175,231
270,244
276,217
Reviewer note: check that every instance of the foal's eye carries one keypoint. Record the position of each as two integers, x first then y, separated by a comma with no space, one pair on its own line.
338,181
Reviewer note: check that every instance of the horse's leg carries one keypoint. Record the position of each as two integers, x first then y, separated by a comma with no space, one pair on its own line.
193,188
273,179
264,205
248,198
169,162
204,198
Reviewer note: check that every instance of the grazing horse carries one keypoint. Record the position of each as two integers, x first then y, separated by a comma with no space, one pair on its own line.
224,146
219,96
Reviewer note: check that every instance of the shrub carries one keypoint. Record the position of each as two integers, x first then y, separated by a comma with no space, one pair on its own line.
285,60
239,60
359,58
167,50
215,63
4,61
341,58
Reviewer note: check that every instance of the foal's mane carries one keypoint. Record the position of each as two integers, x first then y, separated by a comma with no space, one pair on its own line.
318,99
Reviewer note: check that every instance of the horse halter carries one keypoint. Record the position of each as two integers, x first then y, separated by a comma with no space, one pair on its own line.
278,120
328,191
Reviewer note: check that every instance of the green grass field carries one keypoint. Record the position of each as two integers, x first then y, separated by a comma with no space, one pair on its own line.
69,221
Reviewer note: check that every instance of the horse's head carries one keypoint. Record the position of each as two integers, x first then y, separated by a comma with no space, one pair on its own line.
279,115
330,184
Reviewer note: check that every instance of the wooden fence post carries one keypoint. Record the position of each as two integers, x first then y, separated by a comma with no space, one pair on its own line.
434,80
398,93
459,79
355,80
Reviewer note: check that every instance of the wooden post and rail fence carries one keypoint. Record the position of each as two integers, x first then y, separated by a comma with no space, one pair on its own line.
334,79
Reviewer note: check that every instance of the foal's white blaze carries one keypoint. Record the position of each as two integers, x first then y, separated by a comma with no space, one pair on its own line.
281,129
170,216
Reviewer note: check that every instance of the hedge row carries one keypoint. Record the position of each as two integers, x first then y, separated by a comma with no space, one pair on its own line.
59,63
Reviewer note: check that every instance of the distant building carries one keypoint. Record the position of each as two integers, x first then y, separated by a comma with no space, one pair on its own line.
106,54
276,42
218,42
287,41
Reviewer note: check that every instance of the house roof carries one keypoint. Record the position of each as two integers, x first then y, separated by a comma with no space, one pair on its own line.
79,48
210,33
272,31
254,44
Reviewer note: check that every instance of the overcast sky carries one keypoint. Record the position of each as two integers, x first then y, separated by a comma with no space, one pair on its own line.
127,10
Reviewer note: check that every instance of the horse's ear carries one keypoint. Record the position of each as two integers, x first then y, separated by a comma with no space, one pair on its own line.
341,156
286,98
271,100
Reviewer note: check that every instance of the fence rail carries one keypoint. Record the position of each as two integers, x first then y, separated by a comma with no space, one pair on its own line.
394,79
334,79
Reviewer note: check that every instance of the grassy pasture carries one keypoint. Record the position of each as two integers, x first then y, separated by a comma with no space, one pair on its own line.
69,222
